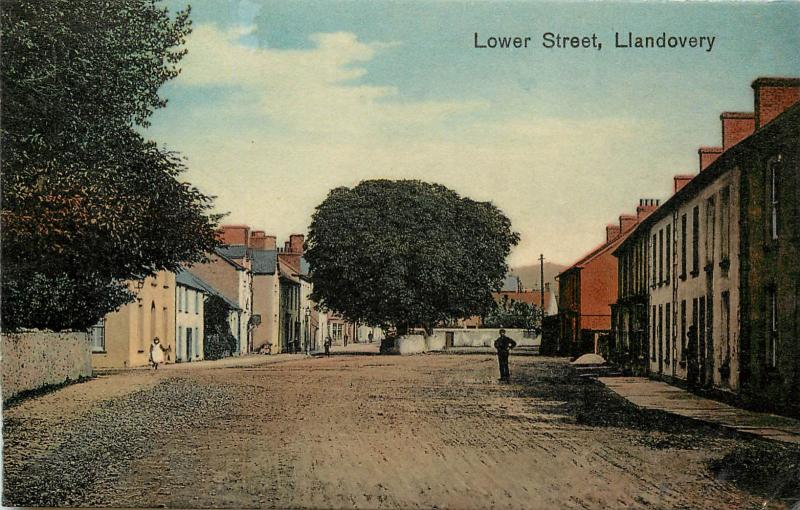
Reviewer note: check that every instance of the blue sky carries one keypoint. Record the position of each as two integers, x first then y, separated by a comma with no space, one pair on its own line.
280,101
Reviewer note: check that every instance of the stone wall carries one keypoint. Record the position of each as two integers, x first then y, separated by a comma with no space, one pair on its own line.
36,359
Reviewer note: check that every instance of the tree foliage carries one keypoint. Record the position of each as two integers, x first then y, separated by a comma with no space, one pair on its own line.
219,341
406,253
88,202
510,313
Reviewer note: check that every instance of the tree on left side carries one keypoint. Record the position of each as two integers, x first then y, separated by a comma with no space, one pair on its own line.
88,201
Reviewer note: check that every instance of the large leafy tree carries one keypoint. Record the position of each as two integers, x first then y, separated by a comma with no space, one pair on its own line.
510,313
406,253
88,201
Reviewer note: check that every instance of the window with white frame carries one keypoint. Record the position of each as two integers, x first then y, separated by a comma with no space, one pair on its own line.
772,338
774,175
97,335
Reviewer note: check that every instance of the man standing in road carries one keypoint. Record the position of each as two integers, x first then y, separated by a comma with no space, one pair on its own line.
503,344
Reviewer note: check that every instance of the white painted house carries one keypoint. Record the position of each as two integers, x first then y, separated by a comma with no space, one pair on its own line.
190,296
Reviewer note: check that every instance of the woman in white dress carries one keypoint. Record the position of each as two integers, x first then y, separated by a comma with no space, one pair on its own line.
156,353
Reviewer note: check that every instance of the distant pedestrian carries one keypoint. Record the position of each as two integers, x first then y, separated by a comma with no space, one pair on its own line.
327,346
692,363
503,344
370,337
156,353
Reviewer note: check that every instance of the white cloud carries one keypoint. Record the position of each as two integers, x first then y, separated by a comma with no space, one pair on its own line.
295,123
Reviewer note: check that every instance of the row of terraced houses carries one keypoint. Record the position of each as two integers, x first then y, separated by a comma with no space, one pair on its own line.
703,290
265,290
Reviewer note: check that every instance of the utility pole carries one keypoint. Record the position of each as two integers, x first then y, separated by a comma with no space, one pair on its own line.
541,284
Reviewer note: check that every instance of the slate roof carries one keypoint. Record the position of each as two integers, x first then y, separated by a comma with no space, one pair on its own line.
305,268
232,251
265,261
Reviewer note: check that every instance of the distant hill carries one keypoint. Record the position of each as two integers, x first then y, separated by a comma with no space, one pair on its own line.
530,274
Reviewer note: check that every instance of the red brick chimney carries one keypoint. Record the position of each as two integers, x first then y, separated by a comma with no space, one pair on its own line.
773,96
736,126
626,222
259,240
679,181
645,207
234,234
708,155
612,232
296,243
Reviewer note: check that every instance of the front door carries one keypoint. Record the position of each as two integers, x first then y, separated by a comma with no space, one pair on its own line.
448,339
701,344
188,344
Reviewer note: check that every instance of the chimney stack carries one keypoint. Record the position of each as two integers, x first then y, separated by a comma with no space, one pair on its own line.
296,243
259,240
626,222
679,181
645,207
772,96
708,155
234,234
612,232
736,126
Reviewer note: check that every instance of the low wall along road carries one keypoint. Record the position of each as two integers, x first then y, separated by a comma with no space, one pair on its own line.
37,359
415,344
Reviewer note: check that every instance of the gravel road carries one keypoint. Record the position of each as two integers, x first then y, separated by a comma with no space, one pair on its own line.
366,431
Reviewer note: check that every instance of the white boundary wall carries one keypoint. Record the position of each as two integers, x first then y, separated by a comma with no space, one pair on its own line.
415,344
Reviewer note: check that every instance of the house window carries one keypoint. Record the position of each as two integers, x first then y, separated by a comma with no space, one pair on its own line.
696,240
97,335
196,342
683,329
724,223
179,292
653,336
710,229
661,331
661,256
726,325
774,175
336,332
179,347
196,303
655,260
683,247
667,333
668,257
772,340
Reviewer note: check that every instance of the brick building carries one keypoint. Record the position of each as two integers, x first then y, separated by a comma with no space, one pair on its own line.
588,288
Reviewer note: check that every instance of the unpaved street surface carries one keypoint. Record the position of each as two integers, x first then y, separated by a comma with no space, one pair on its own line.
367,431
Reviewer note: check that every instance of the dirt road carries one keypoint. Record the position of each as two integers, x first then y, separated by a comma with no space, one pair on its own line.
360,432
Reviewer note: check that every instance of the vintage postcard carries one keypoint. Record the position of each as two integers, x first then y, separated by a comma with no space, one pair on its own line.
400,254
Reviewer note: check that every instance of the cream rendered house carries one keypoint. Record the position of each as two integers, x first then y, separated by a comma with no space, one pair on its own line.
123,338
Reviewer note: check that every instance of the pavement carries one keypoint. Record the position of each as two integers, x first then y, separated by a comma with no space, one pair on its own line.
649,394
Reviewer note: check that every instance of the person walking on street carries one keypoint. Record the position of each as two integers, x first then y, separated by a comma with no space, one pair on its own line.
692,364
327,346
503,344
156,353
